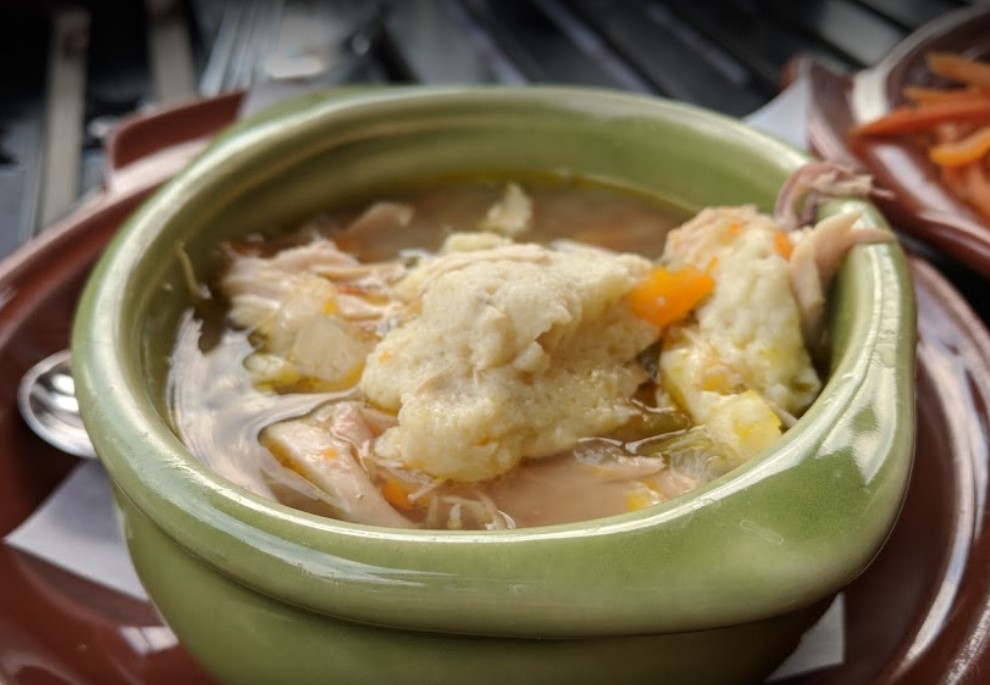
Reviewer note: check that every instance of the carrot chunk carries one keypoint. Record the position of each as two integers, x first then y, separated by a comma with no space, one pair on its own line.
783,245
960,69
667,296
970,149
923,117
396,494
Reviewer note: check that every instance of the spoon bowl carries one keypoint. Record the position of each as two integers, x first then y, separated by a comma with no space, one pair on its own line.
46,397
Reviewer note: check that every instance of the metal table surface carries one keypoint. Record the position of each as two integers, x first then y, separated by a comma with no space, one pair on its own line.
71,68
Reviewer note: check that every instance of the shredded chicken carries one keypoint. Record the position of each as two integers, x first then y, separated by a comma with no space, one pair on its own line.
799,198
818,253
306,300
375,225
512,215
323,447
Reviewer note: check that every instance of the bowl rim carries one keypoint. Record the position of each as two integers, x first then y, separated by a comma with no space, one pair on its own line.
398,577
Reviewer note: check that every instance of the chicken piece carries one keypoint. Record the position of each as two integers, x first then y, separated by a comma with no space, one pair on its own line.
323,449
258,286
818,253
511,216
799,198
376,226
304,301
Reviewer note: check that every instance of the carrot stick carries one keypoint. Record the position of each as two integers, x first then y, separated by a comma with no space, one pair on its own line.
921,96
970,149
957,68
924,117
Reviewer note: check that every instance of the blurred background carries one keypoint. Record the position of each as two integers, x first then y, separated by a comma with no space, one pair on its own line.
70,70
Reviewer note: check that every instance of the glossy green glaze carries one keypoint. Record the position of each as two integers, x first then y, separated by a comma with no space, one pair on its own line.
223,624
776,536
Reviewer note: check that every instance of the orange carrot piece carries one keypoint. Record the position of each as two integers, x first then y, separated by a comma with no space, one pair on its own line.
665,297
783,245
923,96
925,117
960,69
396,494
967,150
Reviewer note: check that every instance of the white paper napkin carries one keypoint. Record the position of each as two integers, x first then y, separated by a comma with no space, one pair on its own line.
76,528
786,115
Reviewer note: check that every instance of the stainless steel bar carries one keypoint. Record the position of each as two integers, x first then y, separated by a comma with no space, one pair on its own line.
64,112
170,52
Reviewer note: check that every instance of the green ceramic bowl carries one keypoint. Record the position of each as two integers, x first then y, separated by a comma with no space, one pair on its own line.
712,587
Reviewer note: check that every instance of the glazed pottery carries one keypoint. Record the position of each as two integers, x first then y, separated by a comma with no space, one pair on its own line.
712,587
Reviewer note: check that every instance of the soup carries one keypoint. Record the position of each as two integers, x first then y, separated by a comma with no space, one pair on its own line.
490,354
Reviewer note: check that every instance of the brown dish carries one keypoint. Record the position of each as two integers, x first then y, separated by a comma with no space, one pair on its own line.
918,615
921,205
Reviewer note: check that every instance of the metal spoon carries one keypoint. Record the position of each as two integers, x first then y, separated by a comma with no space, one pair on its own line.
46,397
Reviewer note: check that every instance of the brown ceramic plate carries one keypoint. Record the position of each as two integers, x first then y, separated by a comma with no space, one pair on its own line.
922,206
919,615
54,626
